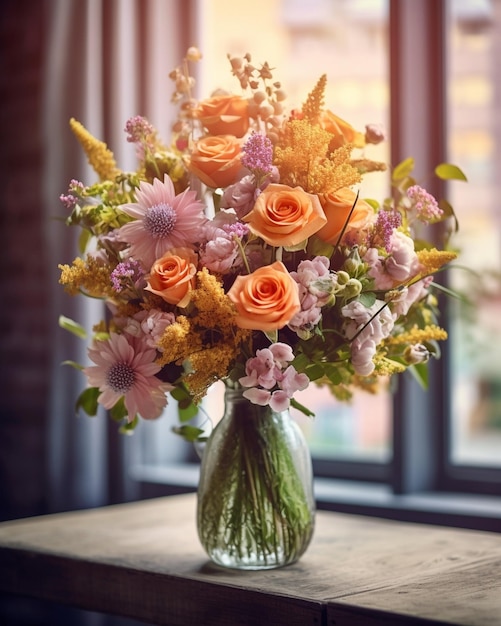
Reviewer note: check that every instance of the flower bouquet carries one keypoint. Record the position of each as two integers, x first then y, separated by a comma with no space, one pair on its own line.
241,251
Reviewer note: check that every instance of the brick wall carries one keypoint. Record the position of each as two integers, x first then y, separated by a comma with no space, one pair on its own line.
23,269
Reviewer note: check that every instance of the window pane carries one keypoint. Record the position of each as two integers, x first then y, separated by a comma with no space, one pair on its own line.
474,111
347,40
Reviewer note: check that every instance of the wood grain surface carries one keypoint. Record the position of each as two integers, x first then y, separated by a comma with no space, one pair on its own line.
143,560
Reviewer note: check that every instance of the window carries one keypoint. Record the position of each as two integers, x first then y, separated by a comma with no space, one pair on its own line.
427,71
474,139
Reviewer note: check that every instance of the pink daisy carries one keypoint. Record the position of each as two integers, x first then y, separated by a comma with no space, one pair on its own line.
162,221
125,367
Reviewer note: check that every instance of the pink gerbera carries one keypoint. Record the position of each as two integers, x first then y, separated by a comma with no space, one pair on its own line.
162,221
125,367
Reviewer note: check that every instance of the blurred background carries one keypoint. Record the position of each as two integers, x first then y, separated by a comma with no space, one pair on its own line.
103,61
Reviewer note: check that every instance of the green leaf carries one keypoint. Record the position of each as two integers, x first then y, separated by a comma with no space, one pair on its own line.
402,170
317,247
448,292
420,373
74,364
299,246
71,326
127,428
179,393
449,212
367,298
84,240
446,171
373,203
87,401
187,411
272,335
189,433
314,371
118,412
300,407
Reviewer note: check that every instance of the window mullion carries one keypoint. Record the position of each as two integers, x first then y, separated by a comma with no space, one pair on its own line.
417,114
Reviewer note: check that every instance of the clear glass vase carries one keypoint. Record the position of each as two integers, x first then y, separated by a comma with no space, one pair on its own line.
256,508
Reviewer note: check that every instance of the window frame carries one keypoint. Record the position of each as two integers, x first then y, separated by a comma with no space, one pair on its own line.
419,482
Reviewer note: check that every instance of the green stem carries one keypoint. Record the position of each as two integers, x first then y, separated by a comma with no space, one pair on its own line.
252,502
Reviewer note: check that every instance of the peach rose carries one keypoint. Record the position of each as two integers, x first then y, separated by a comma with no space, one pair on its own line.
343,132
172,277
216,160
265,300
285,216
337,206
224,115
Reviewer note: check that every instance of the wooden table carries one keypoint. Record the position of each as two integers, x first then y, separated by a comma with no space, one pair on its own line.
143,560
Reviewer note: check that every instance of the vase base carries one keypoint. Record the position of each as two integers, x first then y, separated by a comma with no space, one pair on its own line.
251,562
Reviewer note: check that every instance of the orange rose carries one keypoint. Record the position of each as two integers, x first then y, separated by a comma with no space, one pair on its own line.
216,160
224,115
265,300
337,206
342,131
285,216
172,277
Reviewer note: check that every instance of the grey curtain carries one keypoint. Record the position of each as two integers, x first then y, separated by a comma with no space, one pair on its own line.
106,61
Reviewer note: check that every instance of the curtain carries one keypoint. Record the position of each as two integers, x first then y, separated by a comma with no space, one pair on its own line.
106,61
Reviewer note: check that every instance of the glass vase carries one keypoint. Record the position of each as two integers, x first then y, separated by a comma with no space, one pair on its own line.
256,507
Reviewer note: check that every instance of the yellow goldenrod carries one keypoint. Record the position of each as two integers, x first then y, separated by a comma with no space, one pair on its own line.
99,156
90,276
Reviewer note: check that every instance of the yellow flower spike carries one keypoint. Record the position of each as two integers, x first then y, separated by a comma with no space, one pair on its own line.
431,332
315,101
303,159
99,156
89,276
432,260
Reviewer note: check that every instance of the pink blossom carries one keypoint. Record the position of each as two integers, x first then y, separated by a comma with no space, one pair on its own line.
293,381
269,370
375,322
316,285
282,353
153,325
304,321
261,370
417,353
279,401
310,270
257,396
218,224
424,205
220,252
362,353
241,196
219,255
402,262
409,295
400,265
161,221
125,368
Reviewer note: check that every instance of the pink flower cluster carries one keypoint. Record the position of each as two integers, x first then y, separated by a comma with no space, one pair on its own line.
398,266
243,194
368,327
424,205
270,370
220,252
315,282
